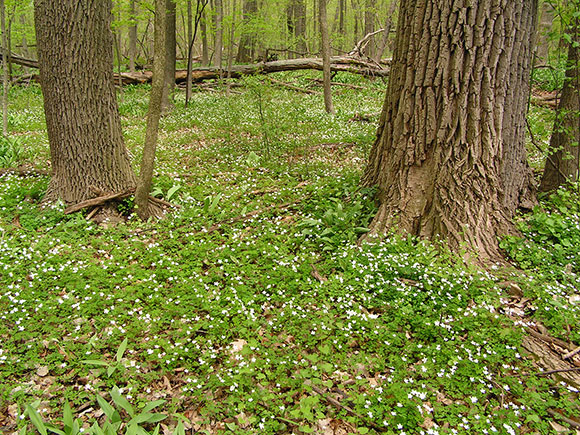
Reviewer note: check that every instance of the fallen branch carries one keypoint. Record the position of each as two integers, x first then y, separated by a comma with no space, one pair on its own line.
316,274
551,372
565,419
22,61
571,353
552,340
294,88
100,200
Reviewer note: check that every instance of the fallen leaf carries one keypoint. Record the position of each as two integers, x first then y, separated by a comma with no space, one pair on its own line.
42,371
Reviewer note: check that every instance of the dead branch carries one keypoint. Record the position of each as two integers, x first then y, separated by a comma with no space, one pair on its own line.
565,419
292,87
22,61
100,200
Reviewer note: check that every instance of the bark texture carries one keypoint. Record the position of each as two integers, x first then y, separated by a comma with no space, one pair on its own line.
449,159
170,53
562,164
75,51
247,48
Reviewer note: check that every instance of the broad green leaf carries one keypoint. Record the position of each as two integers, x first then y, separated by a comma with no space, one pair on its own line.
67,417
121,401
106,407
153,405
121,350
36,420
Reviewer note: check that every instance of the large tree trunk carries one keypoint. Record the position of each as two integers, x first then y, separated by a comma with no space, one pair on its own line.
84,128
449,159
562,162
247,47
325,56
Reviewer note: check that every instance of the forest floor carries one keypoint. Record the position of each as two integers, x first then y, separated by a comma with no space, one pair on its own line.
251,309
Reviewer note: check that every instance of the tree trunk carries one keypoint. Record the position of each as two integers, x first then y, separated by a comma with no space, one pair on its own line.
170,49
160,60
5,73
246,51
544,43
562,164
300,27
325,56
449,159
82,118
370,26
219,34
132,37
204,43
386,32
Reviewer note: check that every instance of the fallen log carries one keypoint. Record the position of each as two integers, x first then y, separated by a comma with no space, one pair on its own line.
22,61
349,64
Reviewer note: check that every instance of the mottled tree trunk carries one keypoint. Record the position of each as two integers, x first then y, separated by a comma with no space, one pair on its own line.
449,159
562,162
204,42
75,53
370,26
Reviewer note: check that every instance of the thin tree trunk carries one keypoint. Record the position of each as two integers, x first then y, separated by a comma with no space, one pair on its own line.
170,50
562,164
325,57
160,59
204,42
219,34
450,157
231,45
5,74
300,29
82,119
386,32
199,10
132,37
189,25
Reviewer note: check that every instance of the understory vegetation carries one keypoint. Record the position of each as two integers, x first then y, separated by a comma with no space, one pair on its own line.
251,308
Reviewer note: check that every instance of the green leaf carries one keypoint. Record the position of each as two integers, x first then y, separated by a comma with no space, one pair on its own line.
121,350
147,417
96,430
107,408
306,429
36,420
153,405
110,370
172,191
67,417
180,429
121,401
231,426
363,430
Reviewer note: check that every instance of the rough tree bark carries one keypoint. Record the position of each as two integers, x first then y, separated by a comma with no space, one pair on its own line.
449,158
325,56
562,164
160,59
87,151
370,26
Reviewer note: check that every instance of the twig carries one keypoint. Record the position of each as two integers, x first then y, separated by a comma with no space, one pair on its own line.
92,213
571,353
551,372
294,88
163,202
565,419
